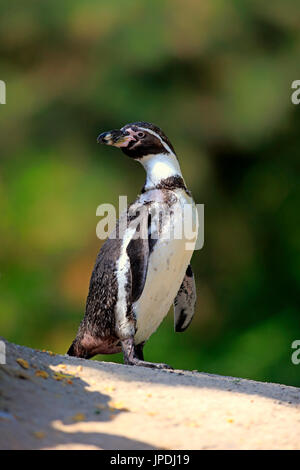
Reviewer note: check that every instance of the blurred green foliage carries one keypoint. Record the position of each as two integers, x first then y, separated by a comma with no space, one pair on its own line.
216,77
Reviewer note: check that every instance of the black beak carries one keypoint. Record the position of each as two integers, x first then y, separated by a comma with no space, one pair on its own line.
111,138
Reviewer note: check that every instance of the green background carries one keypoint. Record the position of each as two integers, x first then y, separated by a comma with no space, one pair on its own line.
216,77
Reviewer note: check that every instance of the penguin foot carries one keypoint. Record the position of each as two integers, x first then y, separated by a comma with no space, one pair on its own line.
133,357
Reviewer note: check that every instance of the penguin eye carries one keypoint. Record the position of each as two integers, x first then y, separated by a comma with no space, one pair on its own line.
141,134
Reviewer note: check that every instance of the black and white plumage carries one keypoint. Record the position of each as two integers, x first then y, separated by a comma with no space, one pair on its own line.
141,270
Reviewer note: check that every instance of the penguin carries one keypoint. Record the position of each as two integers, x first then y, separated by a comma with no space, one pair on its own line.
143,268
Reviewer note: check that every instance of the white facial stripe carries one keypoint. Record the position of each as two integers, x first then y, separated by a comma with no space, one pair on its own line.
145,129
158,136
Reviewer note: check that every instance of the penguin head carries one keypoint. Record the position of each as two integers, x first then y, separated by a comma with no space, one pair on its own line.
138,140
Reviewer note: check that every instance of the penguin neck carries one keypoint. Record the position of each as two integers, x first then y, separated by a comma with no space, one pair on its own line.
160,167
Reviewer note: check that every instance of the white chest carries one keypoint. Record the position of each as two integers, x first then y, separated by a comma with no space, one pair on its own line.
166,269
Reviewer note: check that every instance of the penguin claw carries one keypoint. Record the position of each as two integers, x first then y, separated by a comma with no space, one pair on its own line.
158,365
152,365
163,366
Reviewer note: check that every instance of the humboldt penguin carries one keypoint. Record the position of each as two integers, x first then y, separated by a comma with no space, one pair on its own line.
144,265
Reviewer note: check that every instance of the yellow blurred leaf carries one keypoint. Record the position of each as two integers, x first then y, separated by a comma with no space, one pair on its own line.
61,376
192,424
41,373
39,434
78,417
23,363
117,405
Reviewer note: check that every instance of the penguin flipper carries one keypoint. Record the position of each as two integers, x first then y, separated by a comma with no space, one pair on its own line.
184,302
138,253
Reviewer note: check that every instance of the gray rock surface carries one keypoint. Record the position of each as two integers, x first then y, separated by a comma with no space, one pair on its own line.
58,402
